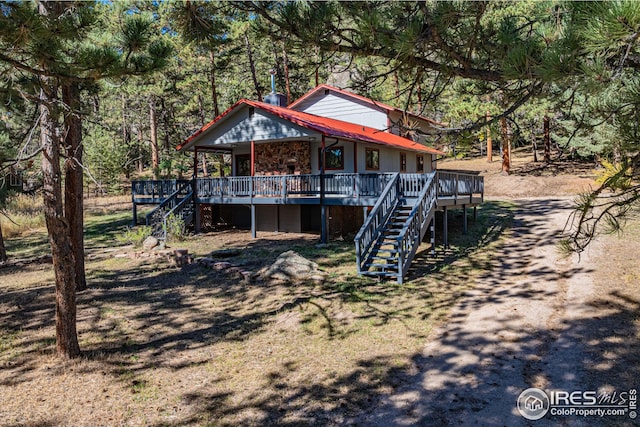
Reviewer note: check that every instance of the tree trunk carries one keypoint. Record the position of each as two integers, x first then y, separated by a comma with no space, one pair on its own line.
3,250
201,114
547,140
166,117
534,146
205,168
140,151
252,66
506,146
59,232
214,91
489,141
73,202
155,159
285,63
396,85
126,138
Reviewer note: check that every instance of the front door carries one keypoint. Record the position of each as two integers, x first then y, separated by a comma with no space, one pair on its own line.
243,165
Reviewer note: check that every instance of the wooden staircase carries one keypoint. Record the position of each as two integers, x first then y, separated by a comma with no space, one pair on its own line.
383,261
388,240
180,204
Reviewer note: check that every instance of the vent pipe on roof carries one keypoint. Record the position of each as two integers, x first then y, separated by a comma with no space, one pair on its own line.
274,98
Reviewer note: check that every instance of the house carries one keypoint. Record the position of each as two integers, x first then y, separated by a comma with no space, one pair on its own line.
331,162
11,181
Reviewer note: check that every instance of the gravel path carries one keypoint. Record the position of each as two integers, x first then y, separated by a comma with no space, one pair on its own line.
514,330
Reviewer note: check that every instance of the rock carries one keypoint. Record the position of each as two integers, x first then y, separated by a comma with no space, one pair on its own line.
290,266
222,265
121,255
150,243
246,275
317,278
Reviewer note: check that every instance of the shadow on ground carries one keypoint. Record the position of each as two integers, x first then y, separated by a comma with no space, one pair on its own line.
154,311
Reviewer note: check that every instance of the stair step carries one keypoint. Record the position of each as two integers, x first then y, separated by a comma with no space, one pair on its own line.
385,267
379,274
387,258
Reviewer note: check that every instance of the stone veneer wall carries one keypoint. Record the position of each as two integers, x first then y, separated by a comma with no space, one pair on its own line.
275,157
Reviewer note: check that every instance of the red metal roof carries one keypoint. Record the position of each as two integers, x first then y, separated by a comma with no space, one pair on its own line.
325,126
380,105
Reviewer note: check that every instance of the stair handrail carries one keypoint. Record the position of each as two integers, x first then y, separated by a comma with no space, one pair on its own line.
413,231
176,209
169,201
373,224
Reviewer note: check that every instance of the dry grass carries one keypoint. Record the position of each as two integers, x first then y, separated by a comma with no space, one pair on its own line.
528,179
192,346
22,213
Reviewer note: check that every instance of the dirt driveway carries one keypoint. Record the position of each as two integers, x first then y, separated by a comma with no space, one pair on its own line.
534,320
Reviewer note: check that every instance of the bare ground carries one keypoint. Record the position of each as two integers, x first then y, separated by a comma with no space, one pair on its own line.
502,311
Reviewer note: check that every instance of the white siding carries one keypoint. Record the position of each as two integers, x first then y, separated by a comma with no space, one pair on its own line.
347,147
262,126
390,159
337,106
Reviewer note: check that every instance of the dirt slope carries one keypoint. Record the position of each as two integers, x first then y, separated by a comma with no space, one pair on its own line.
534,320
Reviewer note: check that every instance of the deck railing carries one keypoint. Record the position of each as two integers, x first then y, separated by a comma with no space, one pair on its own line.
283,186
155,190
450,184
457,184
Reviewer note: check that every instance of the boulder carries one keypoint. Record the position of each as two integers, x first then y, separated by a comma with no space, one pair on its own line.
150,243
222,265
290,266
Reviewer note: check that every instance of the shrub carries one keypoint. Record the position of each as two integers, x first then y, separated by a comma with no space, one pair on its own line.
175,228
135,236
616,176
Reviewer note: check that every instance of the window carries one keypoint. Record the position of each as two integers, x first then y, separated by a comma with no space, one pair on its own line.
243,165
15,180
372,156
403,162
333,158
420,163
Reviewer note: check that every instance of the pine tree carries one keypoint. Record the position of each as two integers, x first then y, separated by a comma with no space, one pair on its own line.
63,49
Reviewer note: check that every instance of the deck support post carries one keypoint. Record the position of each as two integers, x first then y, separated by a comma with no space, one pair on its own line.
323,208
475,213
464,219
433,236
135,214
323,224
253,221
445,227
196,217
196,205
